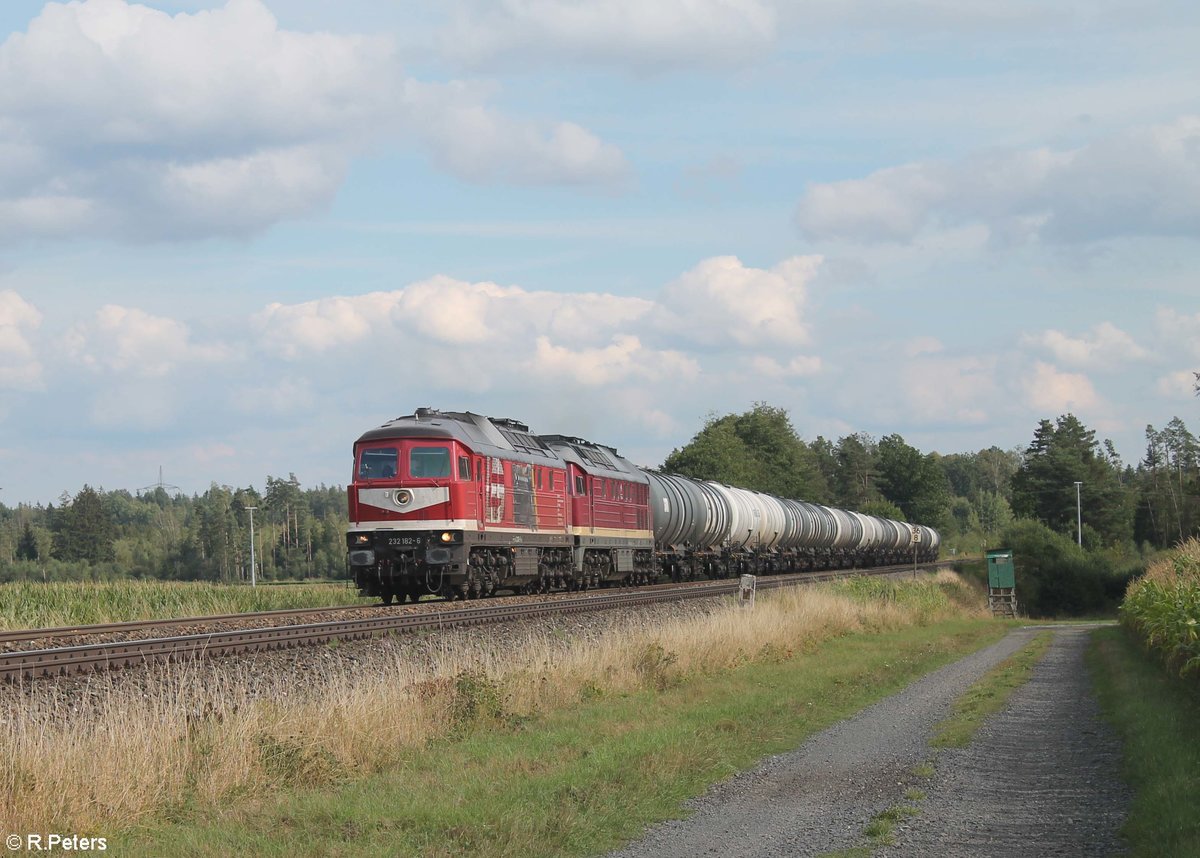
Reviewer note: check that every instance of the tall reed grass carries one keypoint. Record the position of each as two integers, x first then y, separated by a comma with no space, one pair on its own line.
25,605
200,737
1162,607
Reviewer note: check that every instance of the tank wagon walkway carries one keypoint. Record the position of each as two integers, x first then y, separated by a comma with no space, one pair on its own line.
1041,777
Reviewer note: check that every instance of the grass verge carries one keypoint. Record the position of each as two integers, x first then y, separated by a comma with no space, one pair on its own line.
1158,718
579,779
989,694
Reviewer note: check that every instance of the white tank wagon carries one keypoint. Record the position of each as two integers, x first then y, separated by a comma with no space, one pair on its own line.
716,530
773,526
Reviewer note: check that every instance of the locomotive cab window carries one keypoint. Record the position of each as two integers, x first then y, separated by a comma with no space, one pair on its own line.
379,464
464,468
580,485
429,462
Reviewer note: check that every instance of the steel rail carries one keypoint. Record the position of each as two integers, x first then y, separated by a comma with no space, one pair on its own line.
62,661
137,625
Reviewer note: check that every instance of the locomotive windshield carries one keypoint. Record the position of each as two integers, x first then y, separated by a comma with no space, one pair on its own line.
429,462
379,464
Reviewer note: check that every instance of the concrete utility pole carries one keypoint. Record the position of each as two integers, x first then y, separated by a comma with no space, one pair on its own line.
1079,515
253,579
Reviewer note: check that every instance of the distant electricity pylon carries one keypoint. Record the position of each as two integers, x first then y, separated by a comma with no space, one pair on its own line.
166,487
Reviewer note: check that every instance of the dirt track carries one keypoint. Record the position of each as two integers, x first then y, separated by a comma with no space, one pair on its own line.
1041,778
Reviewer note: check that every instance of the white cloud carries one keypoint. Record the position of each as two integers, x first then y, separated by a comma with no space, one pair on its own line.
482,145
1141,182
128,341
721,302
19,366
1052,392
1178,385
144,406
922,346
288,396
626,358
443,311
957,390
292,330
798,367
122,120
646,37
1107,346
924,390
1179,330
478,336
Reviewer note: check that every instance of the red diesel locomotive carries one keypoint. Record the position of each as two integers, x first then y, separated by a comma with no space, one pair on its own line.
464,505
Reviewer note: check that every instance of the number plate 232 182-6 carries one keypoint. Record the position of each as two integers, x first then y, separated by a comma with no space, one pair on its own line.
404,541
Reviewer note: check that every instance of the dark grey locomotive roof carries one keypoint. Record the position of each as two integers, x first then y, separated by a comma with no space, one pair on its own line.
484,435
595,459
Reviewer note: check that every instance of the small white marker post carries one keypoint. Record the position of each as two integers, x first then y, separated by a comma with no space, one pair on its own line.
746,592
916,540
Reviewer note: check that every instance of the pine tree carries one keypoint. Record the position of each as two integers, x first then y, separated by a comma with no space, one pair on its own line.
1061,454
27,547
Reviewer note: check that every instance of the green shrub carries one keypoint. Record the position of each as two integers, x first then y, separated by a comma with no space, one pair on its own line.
1055,577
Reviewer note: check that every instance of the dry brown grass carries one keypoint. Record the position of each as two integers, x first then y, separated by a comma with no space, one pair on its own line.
199,739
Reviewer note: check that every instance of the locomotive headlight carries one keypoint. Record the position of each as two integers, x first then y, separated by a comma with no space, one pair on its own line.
447,537
362,539
402,497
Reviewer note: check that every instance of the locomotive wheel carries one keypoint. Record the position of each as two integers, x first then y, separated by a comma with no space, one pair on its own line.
387,597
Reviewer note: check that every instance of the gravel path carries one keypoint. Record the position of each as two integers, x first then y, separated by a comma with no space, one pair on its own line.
1040,778
820,797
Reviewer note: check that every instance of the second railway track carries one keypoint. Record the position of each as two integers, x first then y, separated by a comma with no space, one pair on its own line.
21,665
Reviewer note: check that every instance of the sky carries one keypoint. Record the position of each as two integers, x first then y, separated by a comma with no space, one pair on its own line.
236,235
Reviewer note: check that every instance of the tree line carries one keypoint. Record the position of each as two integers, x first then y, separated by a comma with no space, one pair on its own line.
1076,545
298,533
1153,504
979,499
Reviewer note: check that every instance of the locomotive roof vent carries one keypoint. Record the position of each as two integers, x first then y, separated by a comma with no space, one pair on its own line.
509,423
423,413
567,439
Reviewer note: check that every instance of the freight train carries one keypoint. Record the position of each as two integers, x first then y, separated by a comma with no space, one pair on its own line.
465,506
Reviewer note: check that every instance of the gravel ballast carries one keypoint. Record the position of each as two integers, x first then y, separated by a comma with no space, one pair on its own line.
820,797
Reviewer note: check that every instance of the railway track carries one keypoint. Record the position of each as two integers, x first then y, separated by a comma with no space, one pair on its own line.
17,635
21,665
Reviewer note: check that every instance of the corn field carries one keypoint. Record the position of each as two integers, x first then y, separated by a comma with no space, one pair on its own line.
1163,608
